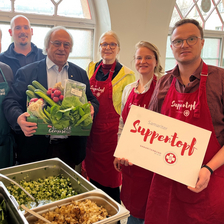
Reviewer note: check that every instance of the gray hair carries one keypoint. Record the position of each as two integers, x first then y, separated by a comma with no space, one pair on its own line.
15,17
110,33
48,37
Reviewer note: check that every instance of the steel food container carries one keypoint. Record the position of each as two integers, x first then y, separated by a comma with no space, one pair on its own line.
116,211
44,169
14,215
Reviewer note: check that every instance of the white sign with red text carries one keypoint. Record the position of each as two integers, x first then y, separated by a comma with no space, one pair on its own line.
164,145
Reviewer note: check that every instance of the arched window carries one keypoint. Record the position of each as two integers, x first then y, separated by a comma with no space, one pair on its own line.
76,15
210,14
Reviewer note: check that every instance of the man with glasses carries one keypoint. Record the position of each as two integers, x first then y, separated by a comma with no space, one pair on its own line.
191,82
55,68
22,51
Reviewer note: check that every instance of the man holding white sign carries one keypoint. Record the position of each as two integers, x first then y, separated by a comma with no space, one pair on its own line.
192,92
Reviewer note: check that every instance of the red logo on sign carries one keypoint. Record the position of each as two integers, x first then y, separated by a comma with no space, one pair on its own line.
170,158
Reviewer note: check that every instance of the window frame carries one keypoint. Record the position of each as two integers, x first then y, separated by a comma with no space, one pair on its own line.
55,20
219,34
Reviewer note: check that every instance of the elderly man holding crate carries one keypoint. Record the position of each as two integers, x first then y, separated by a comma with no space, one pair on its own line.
55,68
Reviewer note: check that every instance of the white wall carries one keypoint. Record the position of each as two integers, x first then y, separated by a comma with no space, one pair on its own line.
135,20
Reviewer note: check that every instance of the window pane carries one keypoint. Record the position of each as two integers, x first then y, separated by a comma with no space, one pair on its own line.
6,38
213,22
83,40
77,8
170,60
35,6
83,63
184,6
5,5
39,33
211,51
175,17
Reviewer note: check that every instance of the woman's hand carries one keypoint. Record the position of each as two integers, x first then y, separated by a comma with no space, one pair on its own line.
28,128
203,180
118,162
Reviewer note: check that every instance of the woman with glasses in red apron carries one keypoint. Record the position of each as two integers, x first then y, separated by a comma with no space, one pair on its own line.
136,180
107,81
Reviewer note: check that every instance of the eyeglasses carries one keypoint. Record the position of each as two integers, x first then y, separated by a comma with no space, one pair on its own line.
111,45
146,58
57,43
190,41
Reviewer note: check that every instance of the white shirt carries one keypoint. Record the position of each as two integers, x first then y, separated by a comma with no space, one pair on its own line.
53,77
126,92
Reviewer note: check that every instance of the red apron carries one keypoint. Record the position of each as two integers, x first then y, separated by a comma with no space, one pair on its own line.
170,202
102,141
136,180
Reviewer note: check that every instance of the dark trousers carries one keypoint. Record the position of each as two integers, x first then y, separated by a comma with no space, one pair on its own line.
30,149
112,192
70,150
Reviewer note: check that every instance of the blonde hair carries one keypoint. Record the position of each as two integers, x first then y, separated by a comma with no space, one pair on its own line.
158,69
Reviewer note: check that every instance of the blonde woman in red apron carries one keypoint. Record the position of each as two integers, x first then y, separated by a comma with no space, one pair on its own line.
191,82
107,81
136,180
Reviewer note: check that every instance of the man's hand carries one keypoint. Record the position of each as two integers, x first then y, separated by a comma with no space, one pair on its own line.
28,128
91,110
203,179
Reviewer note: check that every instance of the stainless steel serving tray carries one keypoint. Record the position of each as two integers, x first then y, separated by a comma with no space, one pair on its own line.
15,216
44,169
115,210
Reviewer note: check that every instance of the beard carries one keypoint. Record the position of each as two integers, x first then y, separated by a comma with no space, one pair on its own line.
23,44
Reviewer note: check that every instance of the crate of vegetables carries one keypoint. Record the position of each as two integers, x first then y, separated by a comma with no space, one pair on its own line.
59,110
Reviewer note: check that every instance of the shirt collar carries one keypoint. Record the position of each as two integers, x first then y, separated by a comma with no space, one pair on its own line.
175,71
50,64
18,54
146,86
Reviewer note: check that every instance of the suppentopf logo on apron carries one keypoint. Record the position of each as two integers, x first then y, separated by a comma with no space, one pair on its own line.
103,138
183,204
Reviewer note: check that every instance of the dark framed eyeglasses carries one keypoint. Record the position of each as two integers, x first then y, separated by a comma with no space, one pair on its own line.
190,41
58,43
111,45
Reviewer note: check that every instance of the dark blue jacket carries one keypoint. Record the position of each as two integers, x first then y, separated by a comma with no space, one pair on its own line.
9,57
14,105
